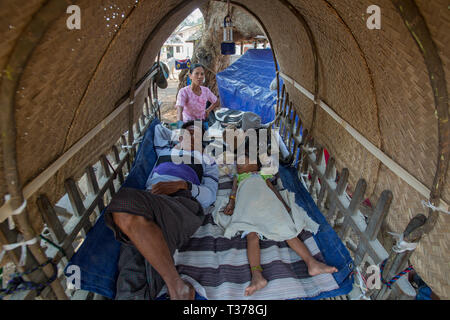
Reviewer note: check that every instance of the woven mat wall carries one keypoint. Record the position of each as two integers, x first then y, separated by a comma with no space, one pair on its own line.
14,15
407,121
432,256
73,80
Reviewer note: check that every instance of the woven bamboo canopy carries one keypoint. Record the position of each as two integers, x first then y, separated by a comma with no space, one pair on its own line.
390,84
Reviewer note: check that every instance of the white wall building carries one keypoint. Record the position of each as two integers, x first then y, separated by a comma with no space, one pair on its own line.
176,45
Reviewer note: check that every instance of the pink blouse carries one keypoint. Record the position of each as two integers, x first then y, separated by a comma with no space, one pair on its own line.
194,106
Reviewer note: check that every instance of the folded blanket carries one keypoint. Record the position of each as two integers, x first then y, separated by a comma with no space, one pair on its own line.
218,267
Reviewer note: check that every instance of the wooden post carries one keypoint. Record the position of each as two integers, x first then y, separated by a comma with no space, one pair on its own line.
123,140
128,159
155,95
374,225
105,165
117,160
358,197
340,189
51,219
283,115
379,214
280,104
94,188
77,202
150,99
92,181
323,187
397,262
147,106
306,140
138,127
143,121
74,197
315,173
296,142
288,126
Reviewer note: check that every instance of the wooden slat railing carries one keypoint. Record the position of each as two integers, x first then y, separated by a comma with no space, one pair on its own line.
87,209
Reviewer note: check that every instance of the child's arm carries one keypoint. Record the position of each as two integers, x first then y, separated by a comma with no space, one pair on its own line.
230,206
271,187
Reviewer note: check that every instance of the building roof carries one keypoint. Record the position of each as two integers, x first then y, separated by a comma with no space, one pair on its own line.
196,36
184,28
174,39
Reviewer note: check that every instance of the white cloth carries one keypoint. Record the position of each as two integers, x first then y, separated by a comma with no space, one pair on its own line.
402,245
259,210
23,245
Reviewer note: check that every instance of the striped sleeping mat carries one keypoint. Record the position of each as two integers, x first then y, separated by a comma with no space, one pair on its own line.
218,267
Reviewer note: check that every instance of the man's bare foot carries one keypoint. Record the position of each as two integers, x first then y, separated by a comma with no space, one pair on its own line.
315,268
258,282
182,291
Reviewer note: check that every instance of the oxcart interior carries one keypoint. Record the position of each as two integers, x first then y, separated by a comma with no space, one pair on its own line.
345,140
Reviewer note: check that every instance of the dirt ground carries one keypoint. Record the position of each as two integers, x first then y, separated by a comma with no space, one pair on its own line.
168,98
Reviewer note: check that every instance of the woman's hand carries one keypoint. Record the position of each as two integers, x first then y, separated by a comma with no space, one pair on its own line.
216,106
229,209
213,107
168,187
207,114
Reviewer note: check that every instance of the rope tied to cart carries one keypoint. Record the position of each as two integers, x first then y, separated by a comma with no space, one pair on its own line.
396,277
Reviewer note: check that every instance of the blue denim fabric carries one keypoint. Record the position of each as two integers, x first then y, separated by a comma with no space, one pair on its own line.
98,255
331,246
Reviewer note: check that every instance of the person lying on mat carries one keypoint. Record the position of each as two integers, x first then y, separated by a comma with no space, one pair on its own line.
261,212
193,100
161,219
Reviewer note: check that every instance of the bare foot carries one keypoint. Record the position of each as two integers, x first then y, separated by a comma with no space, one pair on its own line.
315,268
258,282
183,291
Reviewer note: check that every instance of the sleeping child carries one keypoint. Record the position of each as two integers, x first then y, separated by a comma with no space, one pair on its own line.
260,211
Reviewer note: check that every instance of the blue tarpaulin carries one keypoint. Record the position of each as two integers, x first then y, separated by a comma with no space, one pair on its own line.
245,85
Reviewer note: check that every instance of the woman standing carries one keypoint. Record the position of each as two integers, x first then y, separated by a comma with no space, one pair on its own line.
192,100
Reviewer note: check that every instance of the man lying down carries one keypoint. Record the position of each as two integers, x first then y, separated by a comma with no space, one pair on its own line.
153,223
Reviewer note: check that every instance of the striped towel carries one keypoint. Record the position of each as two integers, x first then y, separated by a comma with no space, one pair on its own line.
218,267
